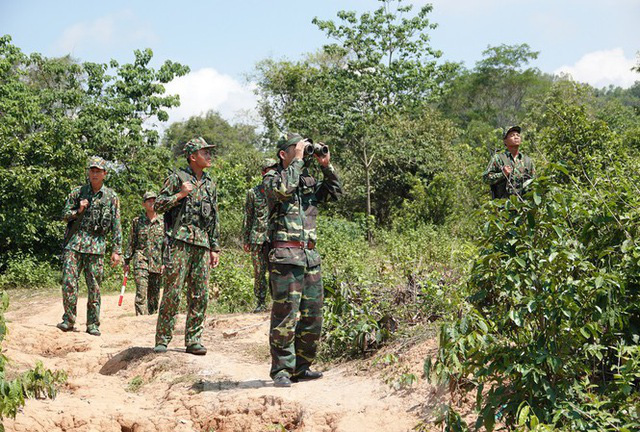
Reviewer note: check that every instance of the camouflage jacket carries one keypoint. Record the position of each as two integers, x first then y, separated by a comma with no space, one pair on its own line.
293,197
198,212
100,218
503,187
145,244
256,217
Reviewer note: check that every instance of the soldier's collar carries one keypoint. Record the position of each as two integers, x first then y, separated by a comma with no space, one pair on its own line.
189,171
102,189
518,156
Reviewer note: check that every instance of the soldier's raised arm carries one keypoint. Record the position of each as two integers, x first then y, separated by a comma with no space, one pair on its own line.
169,195
71,205
282,184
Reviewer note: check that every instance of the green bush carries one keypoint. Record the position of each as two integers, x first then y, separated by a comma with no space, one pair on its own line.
231,283
553,300
24,271
36,383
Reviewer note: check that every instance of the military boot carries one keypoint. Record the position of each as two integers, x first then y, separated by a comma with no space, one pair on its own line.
282,381
65,326
196,349
306,375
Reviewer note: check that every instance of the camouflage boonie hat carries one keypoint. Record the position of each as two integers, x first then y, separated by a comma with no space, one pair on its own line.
97,162
505,131
196,144
269,163
287,141
148,195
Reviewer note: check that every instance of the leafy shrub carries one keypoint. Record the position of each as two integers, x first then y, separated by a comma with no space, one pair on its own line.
231,283
551,312
38,382
24,270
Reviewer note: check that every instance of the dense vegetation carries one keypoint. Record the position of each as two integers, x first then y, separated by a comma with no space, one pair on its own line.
537,296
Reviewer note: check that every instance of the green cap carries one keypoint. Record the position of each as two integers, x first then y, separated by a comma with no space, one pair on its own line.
287,141
510,129
269,163
149,195
196,144
97,162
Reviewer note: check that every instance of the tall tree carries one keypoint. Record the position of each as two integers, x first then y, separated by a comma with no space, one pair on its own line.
495,90
381,65
54,113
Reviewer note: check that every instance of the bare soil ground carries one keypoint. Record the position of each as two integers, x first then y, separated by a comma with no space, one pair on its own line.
117,383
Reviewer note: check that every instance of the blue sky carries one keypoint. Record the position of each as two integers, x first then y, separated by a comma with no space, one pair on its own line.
594,40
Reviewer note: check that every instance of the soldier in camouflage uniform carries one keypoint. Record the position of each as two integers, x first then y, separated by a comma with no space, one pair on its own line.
145,249
255,235
92,212
296,280
508,171
192,229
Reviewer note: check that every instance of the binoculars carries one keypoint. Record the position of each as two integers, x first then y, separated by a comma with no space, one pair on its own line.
315,148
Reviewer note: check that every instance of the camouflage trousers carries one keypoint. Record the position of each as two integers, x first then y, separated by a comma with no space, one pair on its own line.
260,260
186,265
296,317
73,263
147,291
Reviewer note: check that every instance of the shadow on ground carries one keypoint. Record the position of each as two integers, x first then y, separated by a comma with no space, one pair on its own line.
122,360
203,386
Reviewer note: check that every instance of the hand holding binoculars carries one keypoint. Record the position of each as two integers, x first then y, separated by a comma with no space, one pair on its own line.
312,148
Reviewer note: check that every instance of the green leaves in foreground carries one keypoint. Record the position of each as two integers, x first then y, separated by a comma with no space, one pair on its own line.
550,339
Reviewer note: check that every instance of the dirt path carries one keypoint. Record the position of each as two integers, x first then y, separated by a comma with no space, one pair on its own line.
117,383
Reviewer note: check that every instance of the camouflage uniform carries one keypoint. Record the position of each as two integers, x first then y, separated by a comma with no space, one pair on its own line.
192,236
86,245
503,187
255,236
145,249
296,279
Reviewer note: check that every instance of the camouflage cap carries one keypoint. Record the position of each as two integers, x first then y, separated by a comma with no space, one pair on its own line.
287,141
269,163
196,144
149,195
505,131
97,162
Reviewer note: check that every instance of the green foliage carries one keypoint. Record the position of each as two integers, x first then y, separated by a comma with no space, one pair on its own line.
24,271
552,318
41,383
380,72
232,283
36,383
497,89
372,291
57,112
135,384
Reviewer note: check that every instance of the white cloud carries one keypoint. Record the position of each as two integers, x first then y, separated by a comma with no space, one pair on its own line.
602,68
207,89
111,30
